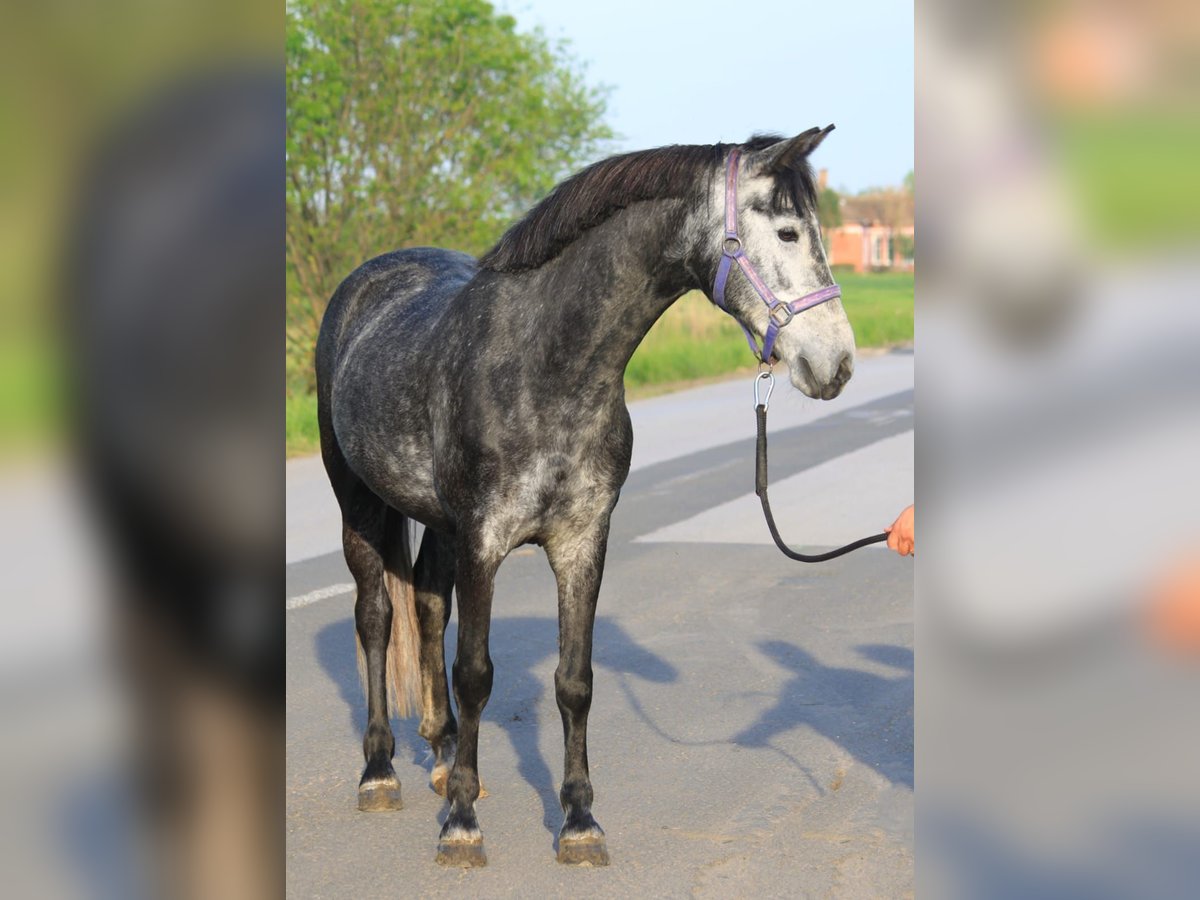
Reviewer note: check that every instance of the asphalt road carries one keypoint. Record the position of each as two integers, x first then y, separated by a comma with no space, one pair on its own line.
751,731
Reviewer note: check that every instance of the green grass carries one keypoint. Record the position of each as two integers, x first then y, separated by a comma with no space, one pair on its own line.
695,341
880,307
31,401
692,340
301,428
1135,176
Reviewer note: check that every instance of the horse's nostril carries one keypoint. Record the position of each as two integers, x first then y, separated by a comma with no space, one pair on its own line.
845,368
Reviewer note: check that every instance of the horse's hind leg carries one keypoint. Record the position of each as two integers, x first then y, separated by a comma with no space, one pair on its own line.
461,841
578,563
363,533
433,580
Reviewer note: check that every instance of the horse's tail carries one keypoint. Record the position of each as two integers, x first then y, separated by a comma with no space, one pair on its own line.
403,666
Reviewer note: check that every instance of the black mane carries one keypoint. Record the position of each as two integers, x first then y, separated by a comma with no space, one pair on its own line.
592,195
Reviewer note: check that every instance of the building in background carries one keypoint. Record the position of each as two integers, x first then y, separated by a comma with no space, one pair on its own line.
876,233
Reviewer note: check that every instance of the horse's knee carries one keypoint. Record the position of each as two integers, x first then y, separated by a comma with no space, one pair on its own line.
463,785
574,691
429,609
473,681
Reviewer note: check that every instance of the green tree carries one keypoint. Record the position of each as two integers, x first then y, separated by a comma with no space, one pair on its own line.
416,122
829,209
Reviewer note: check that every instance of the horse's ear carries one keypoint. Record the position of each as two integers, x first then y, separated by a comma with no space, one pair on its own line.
790,154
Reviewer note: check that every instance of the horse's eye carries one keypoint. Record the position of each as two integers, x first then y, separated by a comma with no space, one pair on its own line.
789,235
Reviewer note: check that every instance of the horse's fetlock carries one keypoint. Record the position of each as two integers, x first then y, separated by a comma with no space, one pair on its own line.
462,786
576,795
378,741
440,731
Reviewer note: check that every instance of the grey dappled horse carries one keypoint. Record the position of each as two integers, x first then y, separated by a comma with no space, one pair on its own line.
485,399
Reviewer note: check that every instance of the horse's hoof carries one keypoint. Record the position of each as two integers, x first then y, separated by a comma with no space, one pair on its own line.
586,851
380,796
465,854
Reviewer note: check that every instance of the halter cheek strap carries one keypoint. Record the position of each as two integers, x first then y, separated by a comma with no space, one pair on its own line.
779,313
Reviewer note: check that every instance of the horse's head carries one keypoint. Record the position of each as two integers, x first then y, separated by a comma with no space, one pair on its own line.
779,237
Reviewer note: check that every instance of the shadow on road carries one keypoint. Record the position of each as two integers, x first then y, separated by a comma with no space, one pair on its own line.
1125,852
97,820
868,715
518,646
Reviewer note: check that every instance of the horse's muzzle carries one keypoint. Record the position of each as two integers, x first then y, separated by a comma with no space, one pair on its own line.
807,381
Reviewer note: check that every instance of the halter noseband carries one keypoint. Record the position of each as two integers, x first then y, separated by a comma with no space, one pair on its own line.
779,313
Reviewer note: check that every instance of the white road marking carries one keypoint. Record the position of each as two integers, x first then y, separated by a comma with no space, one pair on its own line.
318,595
832,503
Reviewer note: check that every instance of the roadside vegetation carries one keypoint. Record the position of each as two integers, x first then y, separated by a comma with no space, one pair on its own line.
1135,178
695,340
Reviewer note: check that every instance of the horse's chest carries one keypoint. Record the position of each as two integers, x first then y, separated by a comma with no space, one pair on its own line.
550,493
549,485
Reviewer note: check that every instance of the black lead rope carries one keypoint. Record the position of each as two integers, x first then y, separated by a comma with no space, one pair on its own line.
760,488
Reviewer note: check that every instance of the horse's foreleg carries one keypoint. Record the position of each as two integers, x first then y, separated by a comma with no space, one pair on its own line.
461,841
433,580
379,788
578,563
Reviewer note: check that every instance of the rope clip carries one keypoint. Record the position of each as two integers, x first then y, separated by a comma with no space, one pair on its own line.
769,377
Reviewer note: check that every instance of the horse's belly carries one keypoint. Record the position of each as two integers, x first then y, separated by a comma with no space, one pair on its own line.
411,492
399,470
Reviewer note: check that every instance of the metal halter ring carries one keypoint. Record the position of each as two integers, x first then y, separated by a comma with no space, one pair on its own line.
769,377
788,315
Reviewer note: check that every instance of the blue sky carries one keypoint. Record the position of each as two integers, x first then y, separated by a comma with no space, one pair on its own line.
703,71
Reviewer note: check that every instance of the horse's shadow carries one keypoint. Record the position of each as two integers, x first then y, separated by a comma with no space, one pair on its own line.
518,646
868,715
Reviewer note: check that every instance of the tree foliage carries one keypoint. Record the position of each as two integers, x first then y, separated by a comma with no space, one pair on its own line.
416,122
888,206
829,208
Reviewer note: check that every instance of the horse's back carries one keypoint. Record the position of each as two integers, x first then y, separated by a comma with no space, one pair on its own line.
408,287
377,341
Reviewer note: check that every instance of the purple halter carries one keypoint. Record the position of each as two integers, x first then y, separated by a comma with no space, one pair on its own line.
778,312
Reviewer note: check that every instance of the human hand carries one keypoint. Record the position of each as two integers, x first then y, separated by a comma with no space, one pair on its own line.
1173,614
902,533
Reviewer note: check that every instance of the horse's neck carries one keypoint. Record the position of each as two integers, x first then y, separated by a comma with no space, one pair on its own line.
600,296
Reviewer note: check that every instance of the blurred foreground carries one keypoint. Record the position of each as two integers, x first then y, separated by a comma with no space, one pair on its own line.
1059,428
140,489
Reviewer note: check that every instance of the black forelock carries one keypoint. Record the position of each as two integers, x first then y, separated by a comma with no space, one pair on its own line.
594,194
